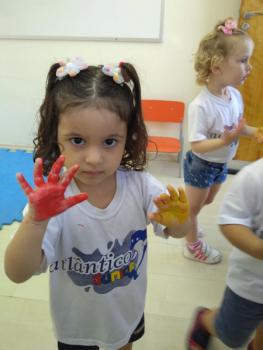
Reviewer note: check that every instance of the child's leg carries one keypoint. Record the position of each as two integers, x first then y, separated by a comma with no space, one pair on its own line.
208,320
212,193
197,198
258,340
237,320
210,198
202,181
196,249
233,323
127,347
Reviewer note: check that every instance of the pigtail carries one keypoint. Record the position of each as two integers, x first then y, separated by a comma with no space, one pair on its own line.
137,137
45,142
74,83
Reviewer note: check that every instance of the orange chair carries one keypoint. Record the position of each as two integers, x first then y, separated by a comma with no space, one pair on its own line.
163,111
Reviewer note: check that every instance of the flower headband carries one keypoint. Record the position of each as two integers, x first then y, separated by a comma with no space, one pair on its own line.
228,27
114,71
71,68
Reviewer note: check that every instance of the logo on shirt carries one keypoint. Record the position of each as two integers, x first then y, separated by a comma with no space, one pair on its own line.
104,272
214,135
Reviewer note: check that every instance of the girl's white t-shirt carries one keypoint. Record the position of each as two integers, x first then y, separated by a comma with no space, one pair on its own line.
97,261
209,115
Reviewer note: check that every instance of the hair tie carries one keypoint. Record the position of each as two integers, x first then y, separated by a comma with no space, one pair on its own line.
228,27
114,71
71,68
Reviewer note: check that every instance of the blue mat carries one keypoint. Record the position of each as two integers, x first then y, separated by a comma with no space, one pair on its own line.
12,198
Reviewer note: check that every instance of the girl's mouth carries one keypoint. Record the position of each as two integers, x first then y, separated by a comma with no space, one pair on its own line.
92,173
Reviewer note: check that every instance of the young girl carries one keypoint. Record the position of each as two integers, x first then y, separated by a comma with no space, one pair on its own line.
215,123
240,315
96,251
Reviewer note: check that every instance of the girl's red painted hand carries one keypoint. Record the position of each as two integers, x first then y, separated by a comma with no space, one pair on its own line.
48,199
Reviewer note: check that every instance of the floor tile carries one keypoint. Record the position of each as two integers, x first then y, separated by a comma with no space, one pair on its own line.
25,325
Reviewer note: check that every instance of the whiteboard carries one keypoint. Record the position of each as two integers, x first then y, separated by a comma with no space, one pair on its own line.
121,20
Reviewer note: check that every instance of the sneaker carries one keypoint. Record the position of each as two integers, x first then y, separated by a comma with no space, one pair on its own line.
200,233
198,337
203,253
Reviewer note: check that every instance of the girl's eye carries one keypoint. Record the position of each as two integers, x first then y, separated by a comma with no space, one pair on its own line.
77,141
110,142
244,60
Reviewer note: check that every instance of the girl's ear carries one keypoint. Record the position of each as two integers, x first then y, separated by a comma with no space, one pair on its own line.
216,64
216,69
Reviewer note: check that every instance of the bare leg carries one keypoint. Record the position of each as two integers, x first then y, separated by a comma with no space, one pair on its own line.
127,347
197,347
258,340
212,193
197,198
208,320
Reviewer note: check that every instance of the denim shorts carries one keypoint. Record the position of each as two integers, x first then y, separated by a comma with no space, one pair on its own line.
201,173
237,319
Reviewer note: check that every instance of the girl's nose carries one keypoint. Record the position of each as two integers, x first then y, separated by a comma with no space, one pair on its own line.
93,156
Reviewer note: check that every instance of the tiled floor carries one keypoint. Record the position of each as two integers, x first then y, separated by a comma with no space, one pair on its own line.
176,286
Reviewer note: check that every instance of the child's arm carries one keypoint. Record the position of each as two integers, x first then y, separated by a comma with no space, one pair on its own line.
252,131
244,239
24,254
173,212
226,139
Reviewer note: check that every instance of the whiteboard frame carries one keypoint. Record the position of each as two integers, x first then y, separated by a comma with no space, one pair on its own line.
91,38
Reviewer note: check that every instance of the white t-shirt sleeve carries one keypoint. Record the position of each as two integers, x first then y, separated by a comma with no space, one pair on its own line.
152,189
197,123
239,205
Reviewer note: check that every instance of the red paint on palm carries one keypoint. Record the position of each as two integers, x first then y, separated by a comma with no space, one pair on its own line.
48,198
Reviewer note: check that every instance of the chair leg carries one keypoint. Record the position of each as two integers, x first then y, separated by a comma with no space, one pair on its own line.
180,165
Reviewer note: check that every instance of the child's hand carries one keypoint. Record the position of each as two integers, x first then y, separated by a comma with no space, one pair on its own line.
48,199
230,136
259,134
173,208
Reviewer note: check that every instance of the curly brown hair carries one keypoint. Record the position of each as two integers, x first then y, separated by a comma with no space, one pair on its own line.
213,48
91,87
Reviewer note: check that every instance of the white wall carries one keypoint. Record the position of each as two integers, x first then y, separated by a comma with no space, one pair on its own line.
166,69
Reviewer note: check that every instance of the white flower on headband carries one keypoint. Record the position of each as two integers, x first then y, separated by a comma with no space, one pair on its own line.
113,71
71,68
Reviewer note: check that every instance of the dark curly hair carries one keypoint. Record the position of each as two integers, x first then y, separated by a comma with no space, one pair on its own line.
91,87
